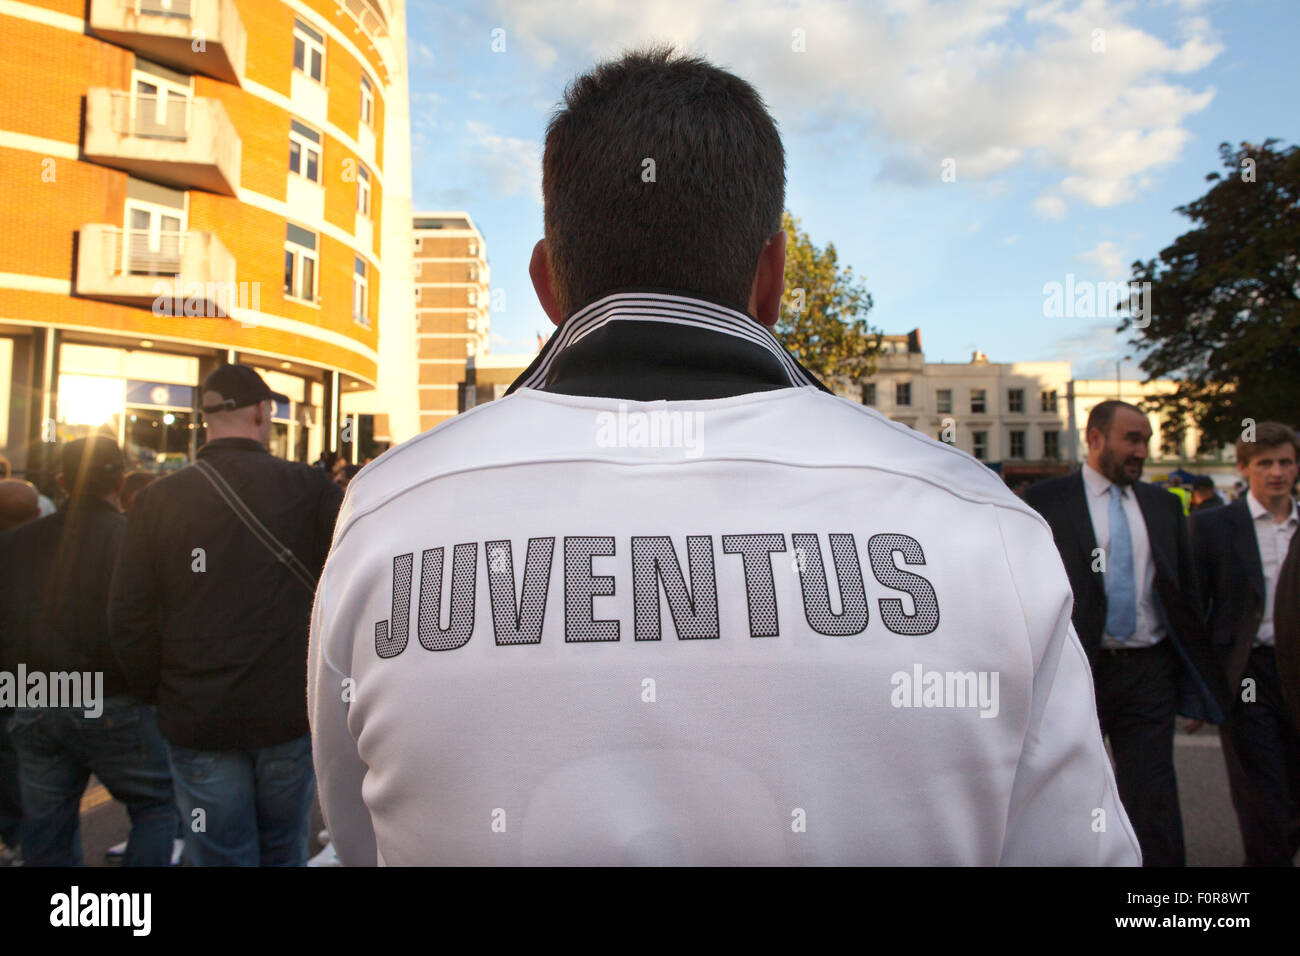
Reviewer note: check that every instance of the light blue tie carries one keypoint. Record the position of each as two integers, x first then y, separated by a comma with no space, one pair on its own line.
1121,595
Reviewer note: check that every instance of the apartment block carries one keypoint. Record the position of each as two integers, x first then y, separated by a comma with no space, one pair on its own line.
453,309
192,182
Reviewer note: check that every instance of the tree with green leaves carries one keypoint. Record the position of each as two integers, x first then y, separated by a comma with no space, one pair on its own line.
1223,314
823,313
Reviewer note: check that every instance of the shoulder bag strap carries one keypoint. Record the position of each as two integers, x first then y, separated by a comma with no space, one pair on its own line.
282,554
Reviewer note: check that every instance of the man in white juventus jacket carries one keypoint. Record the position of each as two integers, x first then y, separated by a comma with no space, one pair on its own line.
670,601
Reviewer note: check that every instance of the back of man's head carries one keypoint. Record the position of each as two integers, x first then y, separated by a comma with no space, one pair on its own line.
19,502
92,468
661,171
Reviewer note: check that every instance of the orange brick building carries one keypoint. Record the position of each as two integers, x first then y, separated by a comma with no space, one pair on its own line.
190,182
453,307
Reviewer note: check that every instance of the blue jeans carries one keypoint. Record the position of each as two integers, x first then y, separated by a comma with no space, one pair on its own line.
59,748
245,807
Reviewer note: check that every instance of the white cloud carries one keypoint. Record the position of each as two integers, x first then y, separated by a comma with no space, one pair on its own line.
1049,207
510,164
994,84
1109,258
1092,350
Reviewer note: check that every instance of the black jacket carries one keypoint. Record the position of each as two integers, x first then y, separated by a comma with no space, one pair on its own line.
54,580
204,618
1231,583
1286,629
1202,692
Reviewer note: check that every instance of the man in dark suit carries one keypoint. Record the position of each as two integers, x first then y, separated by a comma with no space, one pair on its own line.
1240,554
1125,548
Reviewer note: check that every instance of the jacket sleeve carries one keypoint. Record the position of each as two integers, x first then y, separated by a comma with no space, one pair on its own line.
135,597
1201,539
1065,808
339,768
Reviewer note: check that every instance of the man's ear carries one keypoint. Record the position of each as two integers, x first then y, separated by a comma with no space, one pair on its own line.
539,269
769,281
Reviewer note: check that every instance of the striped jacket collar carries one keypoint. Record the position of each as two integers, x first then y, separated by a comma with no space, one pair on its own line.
623,345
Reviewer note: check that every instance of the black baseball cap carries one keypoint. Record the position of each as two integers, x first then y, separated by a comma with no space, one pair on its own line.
238,386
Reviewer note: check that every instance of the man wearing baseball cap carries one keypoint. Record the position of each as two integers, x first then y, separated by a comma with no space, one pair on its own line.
210,609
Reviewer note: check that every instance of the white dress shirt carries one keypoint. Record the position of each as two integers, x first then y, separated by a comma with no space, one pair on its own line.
1273,539
1149,629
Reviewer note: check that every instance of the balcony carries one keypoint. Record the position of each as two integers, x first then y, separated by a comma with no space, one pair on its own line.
174,272
193,36
181,142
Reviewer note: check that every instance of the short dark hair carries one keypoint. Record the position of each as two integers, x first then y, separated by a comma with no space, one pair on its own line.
1203,483
1267,435
91,467
1102,415
717,193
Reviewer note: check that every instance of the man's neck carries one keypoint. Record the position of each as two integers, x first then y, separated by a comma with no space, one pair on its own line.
1279,506
217,435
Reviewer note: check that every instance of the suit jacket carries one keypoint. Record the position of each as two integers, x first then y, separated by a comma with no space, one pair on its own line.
1286,629
1202,692
1232,586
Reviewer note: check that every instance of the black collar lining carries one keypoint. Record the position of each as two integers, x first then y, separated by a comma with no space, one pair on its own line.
666,308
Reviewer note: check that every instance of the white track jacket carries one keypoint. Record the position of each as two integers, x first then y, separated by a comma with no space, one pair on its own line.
771,627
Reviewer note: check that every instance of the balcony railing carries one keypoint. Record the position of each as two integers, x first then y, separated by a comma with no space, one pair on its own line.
128,265
146,252
151,117
162,8
187,143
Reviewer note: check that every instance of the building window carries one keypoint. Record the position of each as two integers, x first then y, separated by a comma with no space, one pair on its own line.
943,400
363,190
359,313
869,394
903,393
304,151
300,263
981,445
473,247
1017,444
1049,401
418,242
1051,444
978,401
471,297
367,102
1015,399
308,51
153,239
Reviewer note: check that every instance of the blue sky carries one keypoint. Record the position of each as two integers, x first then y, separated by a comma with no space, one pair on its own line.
1070,147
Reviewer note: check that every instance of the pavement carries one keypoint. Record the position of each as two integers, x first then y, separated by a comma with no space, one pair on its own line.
1209,823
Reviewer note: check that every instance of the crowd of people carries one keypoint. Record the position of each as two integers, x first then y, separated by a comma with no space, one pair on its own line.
199,639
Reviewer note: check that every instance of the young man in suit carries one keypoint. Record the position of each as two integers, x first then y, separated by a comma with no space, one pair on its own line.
1240,553
1125,547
